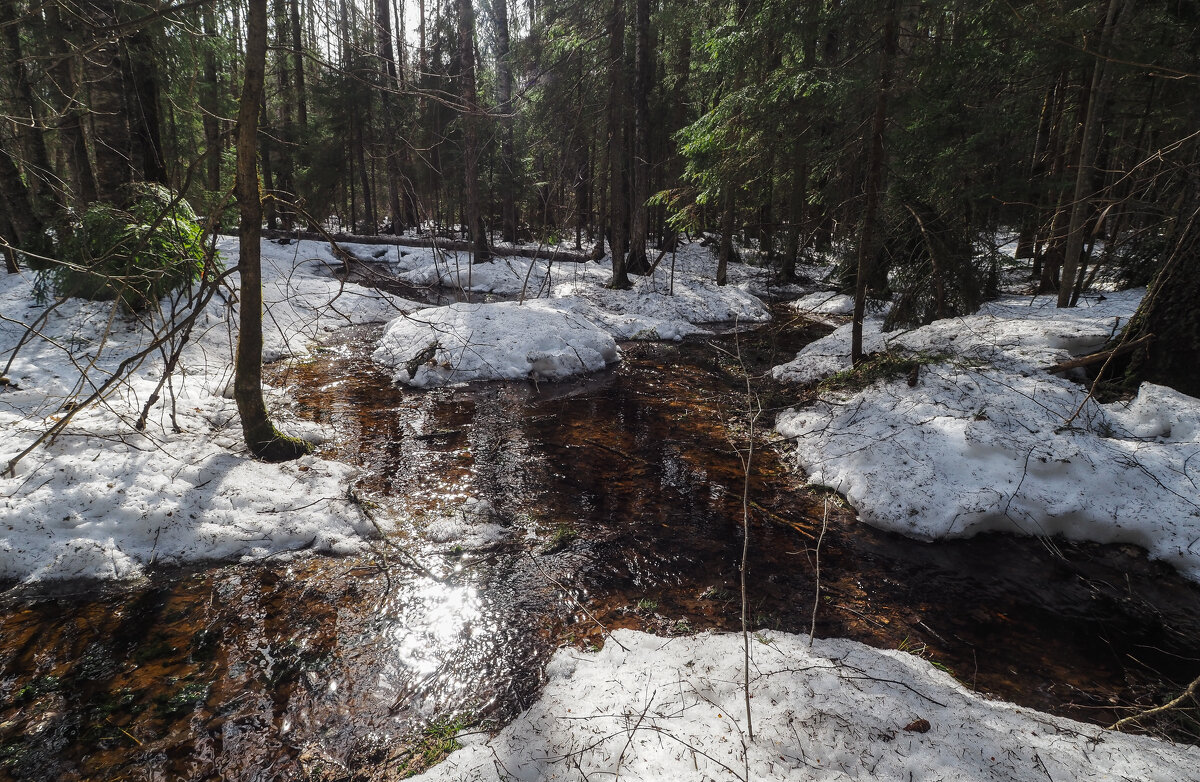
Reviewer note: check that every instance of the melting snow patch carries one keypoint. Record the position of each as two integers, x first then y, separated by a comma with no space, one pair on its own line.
103,501
504,341
993,443
650,708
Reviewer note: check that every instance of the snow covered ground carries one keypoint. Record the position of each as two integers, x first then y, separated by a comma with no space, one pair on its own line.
104,501
567,321
987,440
650,708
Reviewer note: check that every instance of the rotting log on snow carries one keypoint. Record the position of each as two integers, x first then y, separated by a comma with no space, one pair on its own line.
546,254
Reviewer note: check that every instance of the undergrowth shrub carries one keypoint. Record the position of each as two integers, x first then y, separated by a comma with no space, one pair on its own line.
135,255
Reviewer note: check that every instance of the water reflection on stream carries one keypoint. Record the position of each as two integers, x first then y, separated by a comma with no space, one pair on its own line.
619,494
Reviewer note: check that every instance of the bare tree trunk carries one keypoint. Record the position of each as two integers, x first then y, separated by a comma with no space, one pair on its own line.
11,264
618,203
642,76
142,99
1168,312
44,198
70,108
262,438
286,141
725,252
210,105
26,230
471,149
868,240
508,156
298,67
1080,202
112,142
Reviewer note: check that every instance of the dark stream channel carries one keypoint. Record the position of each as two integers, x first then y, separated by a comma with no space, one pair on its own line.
612,500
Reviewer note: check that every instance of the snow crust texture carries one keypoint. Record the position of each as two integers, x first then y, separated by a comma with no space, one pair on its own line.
504,340
650,708
987,440
105,502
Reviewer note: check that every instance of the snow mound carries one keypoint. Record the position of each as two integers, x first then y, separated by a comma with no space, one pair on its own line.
824,303
649,708
966,451
988,441
650,310
1019,332
501,341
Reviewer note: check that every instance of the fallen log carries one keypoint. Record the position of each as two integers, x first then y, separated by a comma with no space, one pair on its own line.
546,254
1096,358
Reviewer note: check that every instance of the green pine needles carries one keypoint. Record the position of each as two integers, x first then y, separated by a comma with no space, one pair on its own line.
135,255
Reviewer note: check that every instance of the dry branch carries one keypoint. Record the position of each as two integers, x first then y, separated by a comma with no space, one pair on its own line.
1103,355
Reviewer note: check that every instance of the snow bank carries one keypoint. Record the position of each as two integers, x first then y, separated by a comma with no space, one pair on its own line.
103,501
649,708
501,341
696,300
824,303
982,441
566,323
1020,332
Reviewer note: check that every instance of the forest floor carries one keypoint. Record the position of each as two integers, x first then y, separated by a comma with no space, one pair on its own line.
985,439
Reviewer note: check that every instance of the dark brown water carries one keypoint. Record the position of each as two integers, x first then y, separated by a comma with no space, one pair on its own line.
619,502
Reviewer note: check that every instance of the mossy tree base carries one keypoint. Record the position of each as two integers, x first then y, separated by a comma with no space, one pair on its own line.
269,444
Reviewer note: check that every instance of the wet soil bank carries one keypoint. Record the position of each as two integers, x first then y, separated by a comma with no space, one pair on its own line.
613,500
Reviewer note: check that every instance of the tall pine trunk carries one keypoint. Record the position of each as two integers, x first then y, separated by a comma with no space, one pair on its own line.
508,156
389,81
618,201
642,75
471,150
868,241
1081,202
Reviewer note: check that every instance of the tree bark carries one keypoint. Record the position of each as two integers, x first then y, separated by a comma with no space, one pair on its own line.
471,150
286,142
142,95
868,240
642,75
298,67
1169,310
1080,201
70,107
44,199
388,81
618,202
725,253
105,71
508,156
262,438
210,103
27,230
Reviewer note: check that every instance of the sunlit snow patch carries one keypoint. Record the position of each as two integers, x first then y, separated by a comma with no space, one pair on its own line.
650,708
503,341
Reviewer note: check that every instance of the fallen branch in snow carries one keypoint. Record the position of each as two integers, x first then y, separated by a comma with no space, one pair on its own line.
1096,358
812,630
1190,692
436,243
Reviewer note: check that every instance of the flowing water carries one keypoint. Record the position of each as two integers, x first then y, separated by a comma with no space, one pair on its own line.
609,501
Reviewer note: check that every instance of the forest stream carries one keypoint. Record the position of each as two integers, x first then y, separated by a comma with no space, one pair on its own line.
613,500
